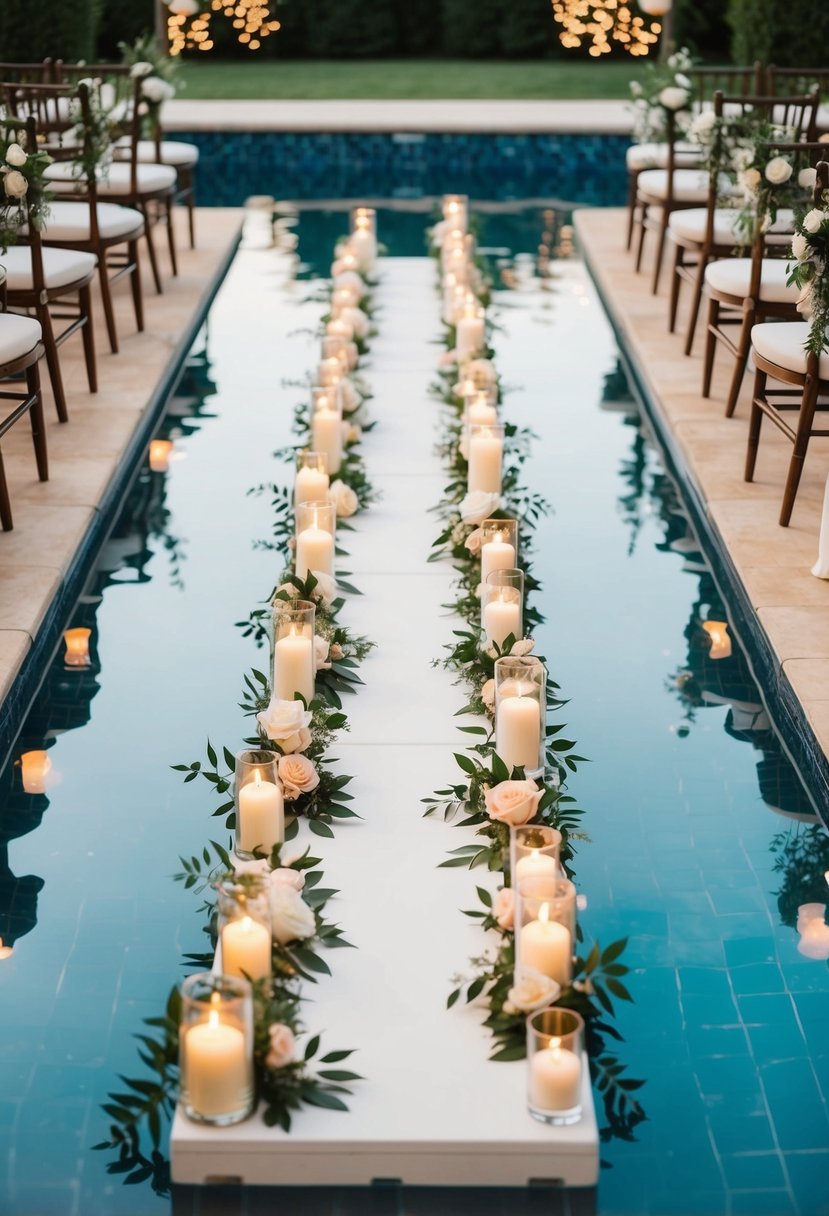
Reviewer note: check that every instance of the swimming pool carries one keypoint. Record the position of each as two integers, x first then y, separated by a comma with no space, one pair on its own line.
704,840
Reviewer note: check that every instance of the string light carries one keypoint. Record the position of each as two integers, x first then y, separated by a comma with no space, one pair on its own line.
251,20
598,24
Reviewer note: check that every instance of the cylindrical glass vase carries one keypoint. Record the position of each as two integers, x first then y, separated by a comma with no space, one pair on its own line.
535,852
480,408
329,372
502,606
312,480
216,1048
520,713
486,453
316,524
555,1061
345,352
260,807
455,210
327,426
499,546
293,647
545,927
245,927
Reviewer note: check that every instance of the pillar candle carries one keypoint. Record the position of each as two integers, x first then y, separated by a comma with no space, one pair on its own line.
501,618
246,949
327,436
536,865
545,946
364,248
555,1078
217,1077
261,816
35,767
314,551
496,554
518,731
480,413
293,656
485,452
469,337
311,485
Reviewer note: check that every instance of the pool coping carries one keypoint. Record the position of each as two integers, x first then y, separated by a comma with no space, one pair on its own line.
797,731
25,683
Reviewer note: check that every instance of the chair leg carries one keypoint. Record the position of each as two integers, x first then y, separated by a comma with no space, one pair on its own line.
148,233
135,286
88,335
754,423
5,501
633,181
710,345
171,237
679,261
743,345
804,433
643,215
106,300
36,419
53,362
660,248
696,300
191,212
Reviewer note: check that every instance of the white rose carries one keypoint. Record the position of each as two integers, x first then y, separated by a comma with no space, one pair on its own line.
532,991
813,219
673,98
15,155
15,184
291,918
357,319
286,723
344,499
285,876
778,170
321,649
503,907
522,646
807,178
482,371
326,588
282,1046
804,301
348,395
800,246
635,88
141,69
682,80
488,694
479,505
157,90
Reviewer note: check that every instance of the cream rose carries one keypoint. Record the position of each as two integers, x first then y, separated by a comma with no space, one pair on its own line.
807,178
804,301
473,541
800,246
286,876
348,395
750,178
511,802
503,907
522,646
282,1048
257,865
15,184
482,371
15,155
326,588
291,918
344,499
532,991
322,650
778,170
286,724
357,319
142,68
351,281
673,98
488,694
298,775
479,505
813,219
336,651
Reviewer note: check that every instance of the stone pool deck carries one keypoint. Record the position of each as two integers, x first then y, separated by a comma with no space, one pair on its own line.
55,520
768,566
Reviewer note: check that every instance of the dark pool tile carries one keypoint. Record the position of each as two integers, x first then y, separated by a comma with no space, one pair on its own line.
734,1133
762,1203
708,953
716,1041
735,1074
678,1201
805,975
747,950
690,926
718,1009
61,1044
809,1177
754,1171
704,981
796,1104
771,1043
735,900
757,978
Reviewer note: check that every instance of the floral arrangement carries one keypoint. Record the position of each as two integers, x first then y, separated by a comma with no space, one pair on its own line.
810,272
158,73
490,800
24,186
663,88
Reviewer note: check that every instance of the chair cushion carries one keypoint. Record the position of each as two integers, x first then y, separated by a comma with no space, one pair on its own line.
69,222
782,343
689,226
173,152
655,156
690,185
733,277
18,335
60,267
150,178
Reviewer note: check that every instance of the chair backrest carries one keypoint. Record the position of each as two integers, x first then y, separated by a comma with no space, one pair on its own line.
782,81
733,81
24,132
35,73
120,96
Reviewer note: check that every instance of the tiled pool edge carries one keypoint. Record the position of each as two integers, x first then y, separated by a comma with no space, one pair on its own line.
787,712
14,706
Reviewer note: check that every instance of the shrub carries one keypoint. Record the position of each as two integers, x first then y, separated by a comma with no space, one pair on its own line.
759,33
122,21
57,29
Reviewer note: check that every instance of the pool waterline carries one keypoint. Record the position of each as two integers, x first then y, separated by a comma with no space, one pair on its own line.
680,850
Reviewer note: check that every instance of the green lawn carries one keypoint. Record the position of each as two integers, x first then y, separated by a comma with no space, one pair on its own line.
402,78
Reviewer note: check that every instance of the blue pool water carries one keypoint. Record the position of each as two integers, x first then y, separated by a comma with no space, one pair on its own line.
704,840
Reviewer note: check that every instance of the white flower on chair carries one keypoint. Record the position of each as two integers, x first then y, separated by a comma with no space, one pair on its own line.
15,184
15,156
778,170
673,98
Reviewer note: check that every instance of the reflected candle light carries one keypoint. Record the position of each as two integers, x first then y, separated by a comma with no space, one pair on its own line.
77,647
160,452
5,951
720,641
35,765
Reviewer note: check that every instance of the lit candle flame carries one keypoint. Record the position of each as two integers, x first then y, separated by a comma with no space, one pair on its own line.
544,913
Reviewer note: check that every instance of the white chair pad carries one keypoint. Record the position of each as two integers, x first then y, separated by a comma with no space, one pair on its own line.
655,156
733,277
689,225
150,178
173,152
690,185
18,335
70,222
782,343
60,267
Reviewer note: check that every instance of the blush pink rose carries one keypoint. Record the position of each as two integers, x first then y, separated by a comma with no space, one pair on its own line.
503,907
282,1046
512,802
298,776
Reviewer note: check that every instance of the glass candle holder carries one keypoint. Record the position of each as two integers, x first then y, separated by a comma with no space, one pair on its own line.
345,352
535,852
260,807
329,372
316,529
344,297
216,1048
364,219
555,1060
480,409
520,712
312,480
455,210
470,332
327,426
545,920
339,327
499,546
502,606
245,927
293,648
486,450
35,767
77,647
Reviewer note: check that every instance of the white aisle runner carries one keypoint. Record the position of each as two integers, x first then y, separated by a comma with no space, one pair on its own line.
432,1110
